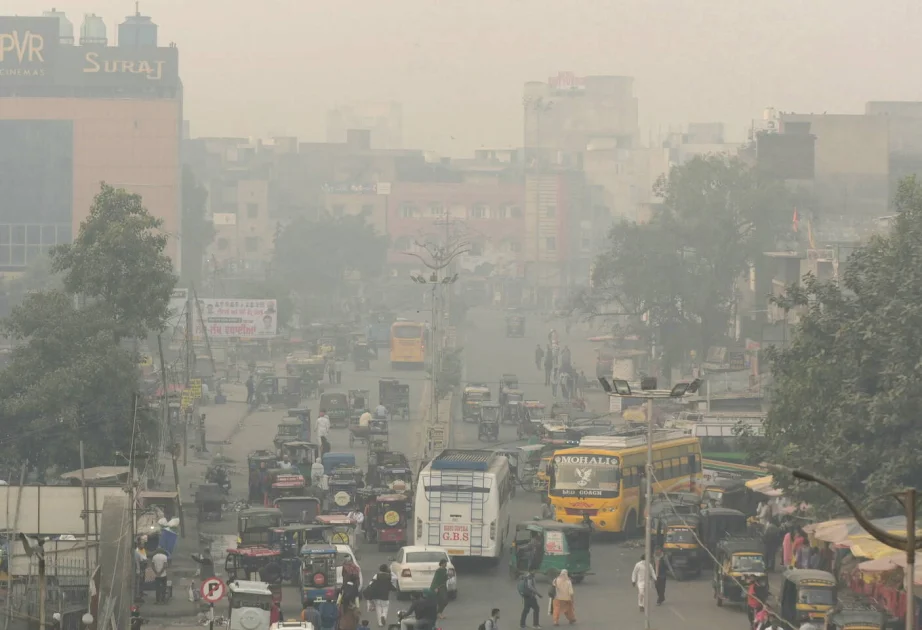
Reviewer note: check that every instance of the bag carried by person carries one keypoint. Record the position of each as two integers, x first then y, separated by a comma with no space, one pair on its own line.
523,586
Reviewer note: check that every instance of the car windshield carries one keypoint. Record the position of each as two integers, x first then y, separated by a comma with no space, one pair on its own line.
680,536
816,596
425,556
748,563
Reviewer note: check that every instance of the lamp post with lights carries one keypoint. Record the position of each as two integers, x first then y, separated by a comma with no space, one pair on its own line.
649,392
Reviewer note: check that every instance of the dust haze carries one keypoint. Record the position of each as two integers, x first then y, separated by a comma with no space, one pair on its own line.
275,68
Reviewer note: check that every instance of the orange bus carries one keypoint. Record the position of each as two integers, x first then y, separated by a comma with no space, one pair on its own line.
408,344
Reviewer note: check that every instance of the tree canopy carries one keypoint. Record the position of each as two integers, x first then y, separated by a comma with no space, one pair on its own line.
681,267
847,391
313,258
73,373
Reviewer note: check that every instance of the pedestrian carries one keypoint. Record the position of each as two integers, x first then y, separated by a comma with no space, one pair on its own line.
205,564
140,565
530,598
378,593
548,365
800,541
492,623
787,549
660,570
439,586
338,367
753,605
639,579
771,539
424,610
565,385
565,359
158,565
323,432
555,381
564,600
760,619
539,355
251,389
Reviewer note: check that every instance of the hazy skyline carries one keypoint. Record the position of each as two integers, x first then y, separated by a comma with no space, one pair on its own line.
275,68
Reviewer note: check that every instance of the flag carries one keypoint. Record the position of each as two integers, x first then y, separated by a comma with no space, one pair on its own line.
810,234
795,220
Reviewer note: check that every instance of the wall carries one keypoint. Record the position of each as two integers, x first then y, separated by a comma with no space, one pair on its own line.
371,206
131,144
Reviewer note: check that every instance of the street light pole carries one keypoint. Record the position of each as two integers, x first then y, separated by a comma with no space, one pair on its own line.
907,543
648,529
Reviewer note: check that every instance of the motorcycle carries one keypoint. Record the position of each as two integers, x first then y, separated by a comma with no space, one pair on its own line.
410,622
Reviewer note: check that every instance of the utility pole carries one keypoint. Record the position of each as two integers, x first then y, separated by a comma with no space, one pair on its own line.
190,367
86,530
172,449
539,106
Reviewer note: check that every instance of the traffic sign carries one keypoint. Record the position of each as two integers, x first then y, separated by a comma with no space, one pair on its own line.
213,590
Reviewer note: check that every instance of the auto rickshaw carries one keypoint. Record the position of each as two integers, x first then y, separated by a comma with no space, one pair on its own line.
513,409
717,523
288,430
289,540
332,461
561,546
388,523
339,529
342,484
298,509
857,612
249,562
395,396
531,420
488,428
361,356
209,501
337,407
472,399
740,562
301,455
515,325
676,536
359,403
377,442
318,573
386,467
397,479
258,519
807,594
728,493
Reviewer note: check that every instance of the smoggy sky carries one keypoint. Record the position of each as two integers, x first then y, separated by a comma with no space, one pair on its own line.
275,67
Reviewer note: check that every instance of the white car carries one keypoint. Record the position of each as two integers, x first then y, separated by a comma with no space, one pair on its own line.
414,566
342,553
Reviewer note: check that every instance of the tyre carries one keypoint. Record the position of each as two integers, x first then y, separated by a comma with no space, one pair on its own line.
630,525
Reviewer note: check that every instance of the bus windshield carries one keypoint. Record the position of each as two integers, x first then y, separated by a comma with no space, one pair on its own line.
408,332
586,479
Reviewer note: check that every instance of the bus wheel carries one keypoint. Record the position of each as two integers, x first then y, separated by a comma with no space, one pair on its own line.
630,525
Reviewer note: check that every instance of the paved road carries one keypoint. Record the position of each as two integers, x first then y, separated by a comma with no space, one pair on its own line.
603,597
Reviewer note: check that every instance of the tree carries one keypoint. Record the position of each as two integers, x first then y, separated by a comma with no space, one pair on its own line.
118,259
313,258
197,231
847,390
681,268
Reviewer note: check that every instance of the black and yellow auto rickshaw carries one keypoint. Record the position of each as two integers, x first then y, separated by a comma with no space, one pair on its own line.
676,535
857,612
740,562
361,356
547,547
515,325
472,399
336,404
488,427
387,524
807,594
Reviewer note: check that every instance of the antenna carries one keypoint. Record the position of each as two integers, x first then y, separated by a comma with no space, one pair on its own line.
137,7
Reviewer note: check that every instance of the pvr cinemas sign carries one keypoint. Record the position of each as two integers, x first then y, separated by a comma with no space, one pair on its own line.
25,52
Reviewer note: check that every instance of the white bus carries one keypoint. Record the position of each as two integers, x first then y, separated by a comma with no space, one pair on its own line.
462,503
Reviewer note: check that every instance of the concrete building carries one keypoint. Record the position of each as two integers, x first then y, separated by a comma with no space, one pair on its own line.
383,121
72,116
904,121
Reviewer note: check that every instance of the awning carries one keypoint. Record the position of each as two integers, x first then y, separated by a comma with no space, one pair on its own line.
838,531
896,559
763,485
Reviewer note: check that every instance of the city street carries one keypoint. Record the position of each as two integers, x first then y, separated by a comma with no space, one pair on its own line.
488,354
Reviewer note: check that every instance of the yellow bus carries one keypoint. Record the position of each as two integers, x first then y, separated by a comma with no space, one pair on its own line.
602,478
408,344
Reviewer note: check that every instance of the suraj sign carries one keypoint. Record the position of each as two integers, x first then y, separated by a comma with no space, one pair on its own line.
151,70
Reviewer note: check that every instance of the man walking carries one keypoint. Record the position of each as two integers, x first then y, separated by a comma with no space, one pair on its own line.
378,592
251,389
639,579
539,355
493,622
548,365
530,597
660,570
323,432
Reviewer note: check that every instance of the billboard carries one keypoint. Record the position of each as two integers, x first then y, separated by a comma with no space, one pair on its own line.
31,54
235,318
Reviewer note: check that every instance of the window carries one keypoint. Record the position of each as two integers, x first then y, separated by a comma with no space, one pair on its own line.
252,210
550,213
408,211
19,235
33,234
436,209
480,211
515,212
407,332
501,213
367,209
476,249
252,243
425,556
222,244
551,244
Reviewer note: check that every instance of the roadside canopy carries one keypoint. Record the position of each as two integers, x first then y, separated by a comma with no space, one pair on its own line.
847,530
763,485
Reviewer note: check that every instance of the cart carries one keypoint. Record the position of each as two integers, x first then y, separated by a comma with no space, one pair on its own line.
209,499
395,396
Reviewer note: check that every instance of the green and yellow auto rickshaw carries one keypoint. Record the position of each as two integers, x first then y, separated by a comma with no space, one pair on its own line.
676,535
548,547
857,612
807,594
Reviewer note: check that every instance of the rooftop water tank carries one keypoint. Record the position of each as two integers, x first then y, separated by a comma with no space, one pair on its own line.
93,31
65,27
137,31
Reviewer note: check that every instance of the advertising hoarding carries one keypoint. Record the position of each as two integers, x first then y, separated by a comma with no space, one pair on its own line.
237,318
32,55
